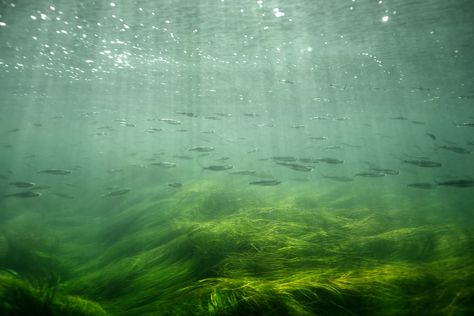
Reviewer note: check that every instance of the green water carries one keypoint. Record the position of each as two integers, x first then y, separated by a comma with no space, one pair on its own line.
358,115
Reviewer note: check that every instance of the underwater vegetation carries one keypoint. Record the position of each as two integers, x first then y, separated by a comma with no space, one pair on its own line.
213,250
18,298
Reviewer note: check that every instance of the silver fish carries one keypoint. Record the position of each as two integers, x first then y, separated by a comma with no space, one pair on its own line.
170,121
25,194
332,161
22,184
464,125
460,183
284,158
456,149
164,164
218,167
117,192
390,172
400,118
339,178
56,172
190,114
202,149
370,174
244,173
265,182
423,163
295,166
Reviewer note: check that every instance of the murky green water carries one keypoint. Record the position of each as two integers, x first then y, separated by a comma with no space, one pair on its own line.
227,157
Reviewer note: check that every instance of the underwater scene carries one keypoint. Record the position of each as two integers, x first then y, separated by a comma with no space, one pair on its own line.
236,157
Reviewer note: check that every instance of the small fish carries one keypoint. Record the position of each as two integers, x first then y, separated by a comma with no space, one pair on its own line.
265,182
295,166
422,185
244,173
251,114
344,118
164,164
175,185
25,194
22,184
153,130
456,149
333,147
218,167
286,81
432,136
464,124
460,183
297,126
170,121
212,117
265,125
284,158
202,149
423,163
370,174
400,118
417,122
318,137
56,172
189,114
106,127
332,161
319,118
117,192
390,172
223,114
223,159
339,178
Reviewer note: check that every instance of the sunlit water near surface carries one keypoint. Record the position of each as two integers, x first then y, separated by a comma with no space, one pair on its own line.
227,157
